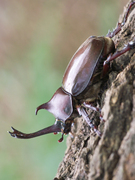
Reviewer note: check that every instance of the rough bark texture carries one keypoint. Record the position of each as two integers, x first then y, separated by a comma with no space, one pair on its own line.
111,157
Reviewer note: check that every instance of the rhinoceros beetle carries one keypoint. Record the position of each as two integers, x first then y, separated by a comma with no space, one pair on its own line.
81,83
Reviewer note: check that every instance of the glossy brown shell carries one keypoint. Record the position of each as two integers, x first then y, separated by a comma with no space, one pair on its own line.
82,65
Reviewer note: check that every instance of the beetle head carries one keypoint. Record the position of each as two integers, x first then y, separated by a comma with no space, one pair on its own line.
61,107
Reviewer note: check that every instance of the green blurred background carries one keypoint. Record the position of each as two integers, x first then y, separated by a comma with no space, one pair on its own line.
37,40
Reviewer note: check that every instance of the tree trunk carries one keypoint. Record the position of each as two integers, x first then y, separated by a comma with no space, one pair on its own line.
111,157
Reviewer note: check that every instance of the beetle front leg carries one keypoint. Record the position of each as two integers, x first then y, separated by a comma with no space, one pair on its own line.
84,114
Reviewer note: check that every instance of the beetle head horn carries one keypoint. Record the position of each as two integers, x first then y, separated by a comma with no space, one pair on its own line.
55,128
61,107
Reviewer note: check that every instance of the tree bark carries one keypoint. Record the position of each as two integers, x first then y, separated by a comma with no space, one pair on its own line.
111,157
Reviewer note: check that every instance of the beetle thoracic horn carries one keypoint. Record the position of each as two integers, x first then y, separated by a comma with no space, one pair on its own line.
51,129
43,106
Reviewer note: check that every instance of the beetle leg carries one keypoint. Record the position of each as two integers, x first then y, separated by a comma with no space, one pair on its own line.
94,109
120,25
129,46
83,113
61,139
115,31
